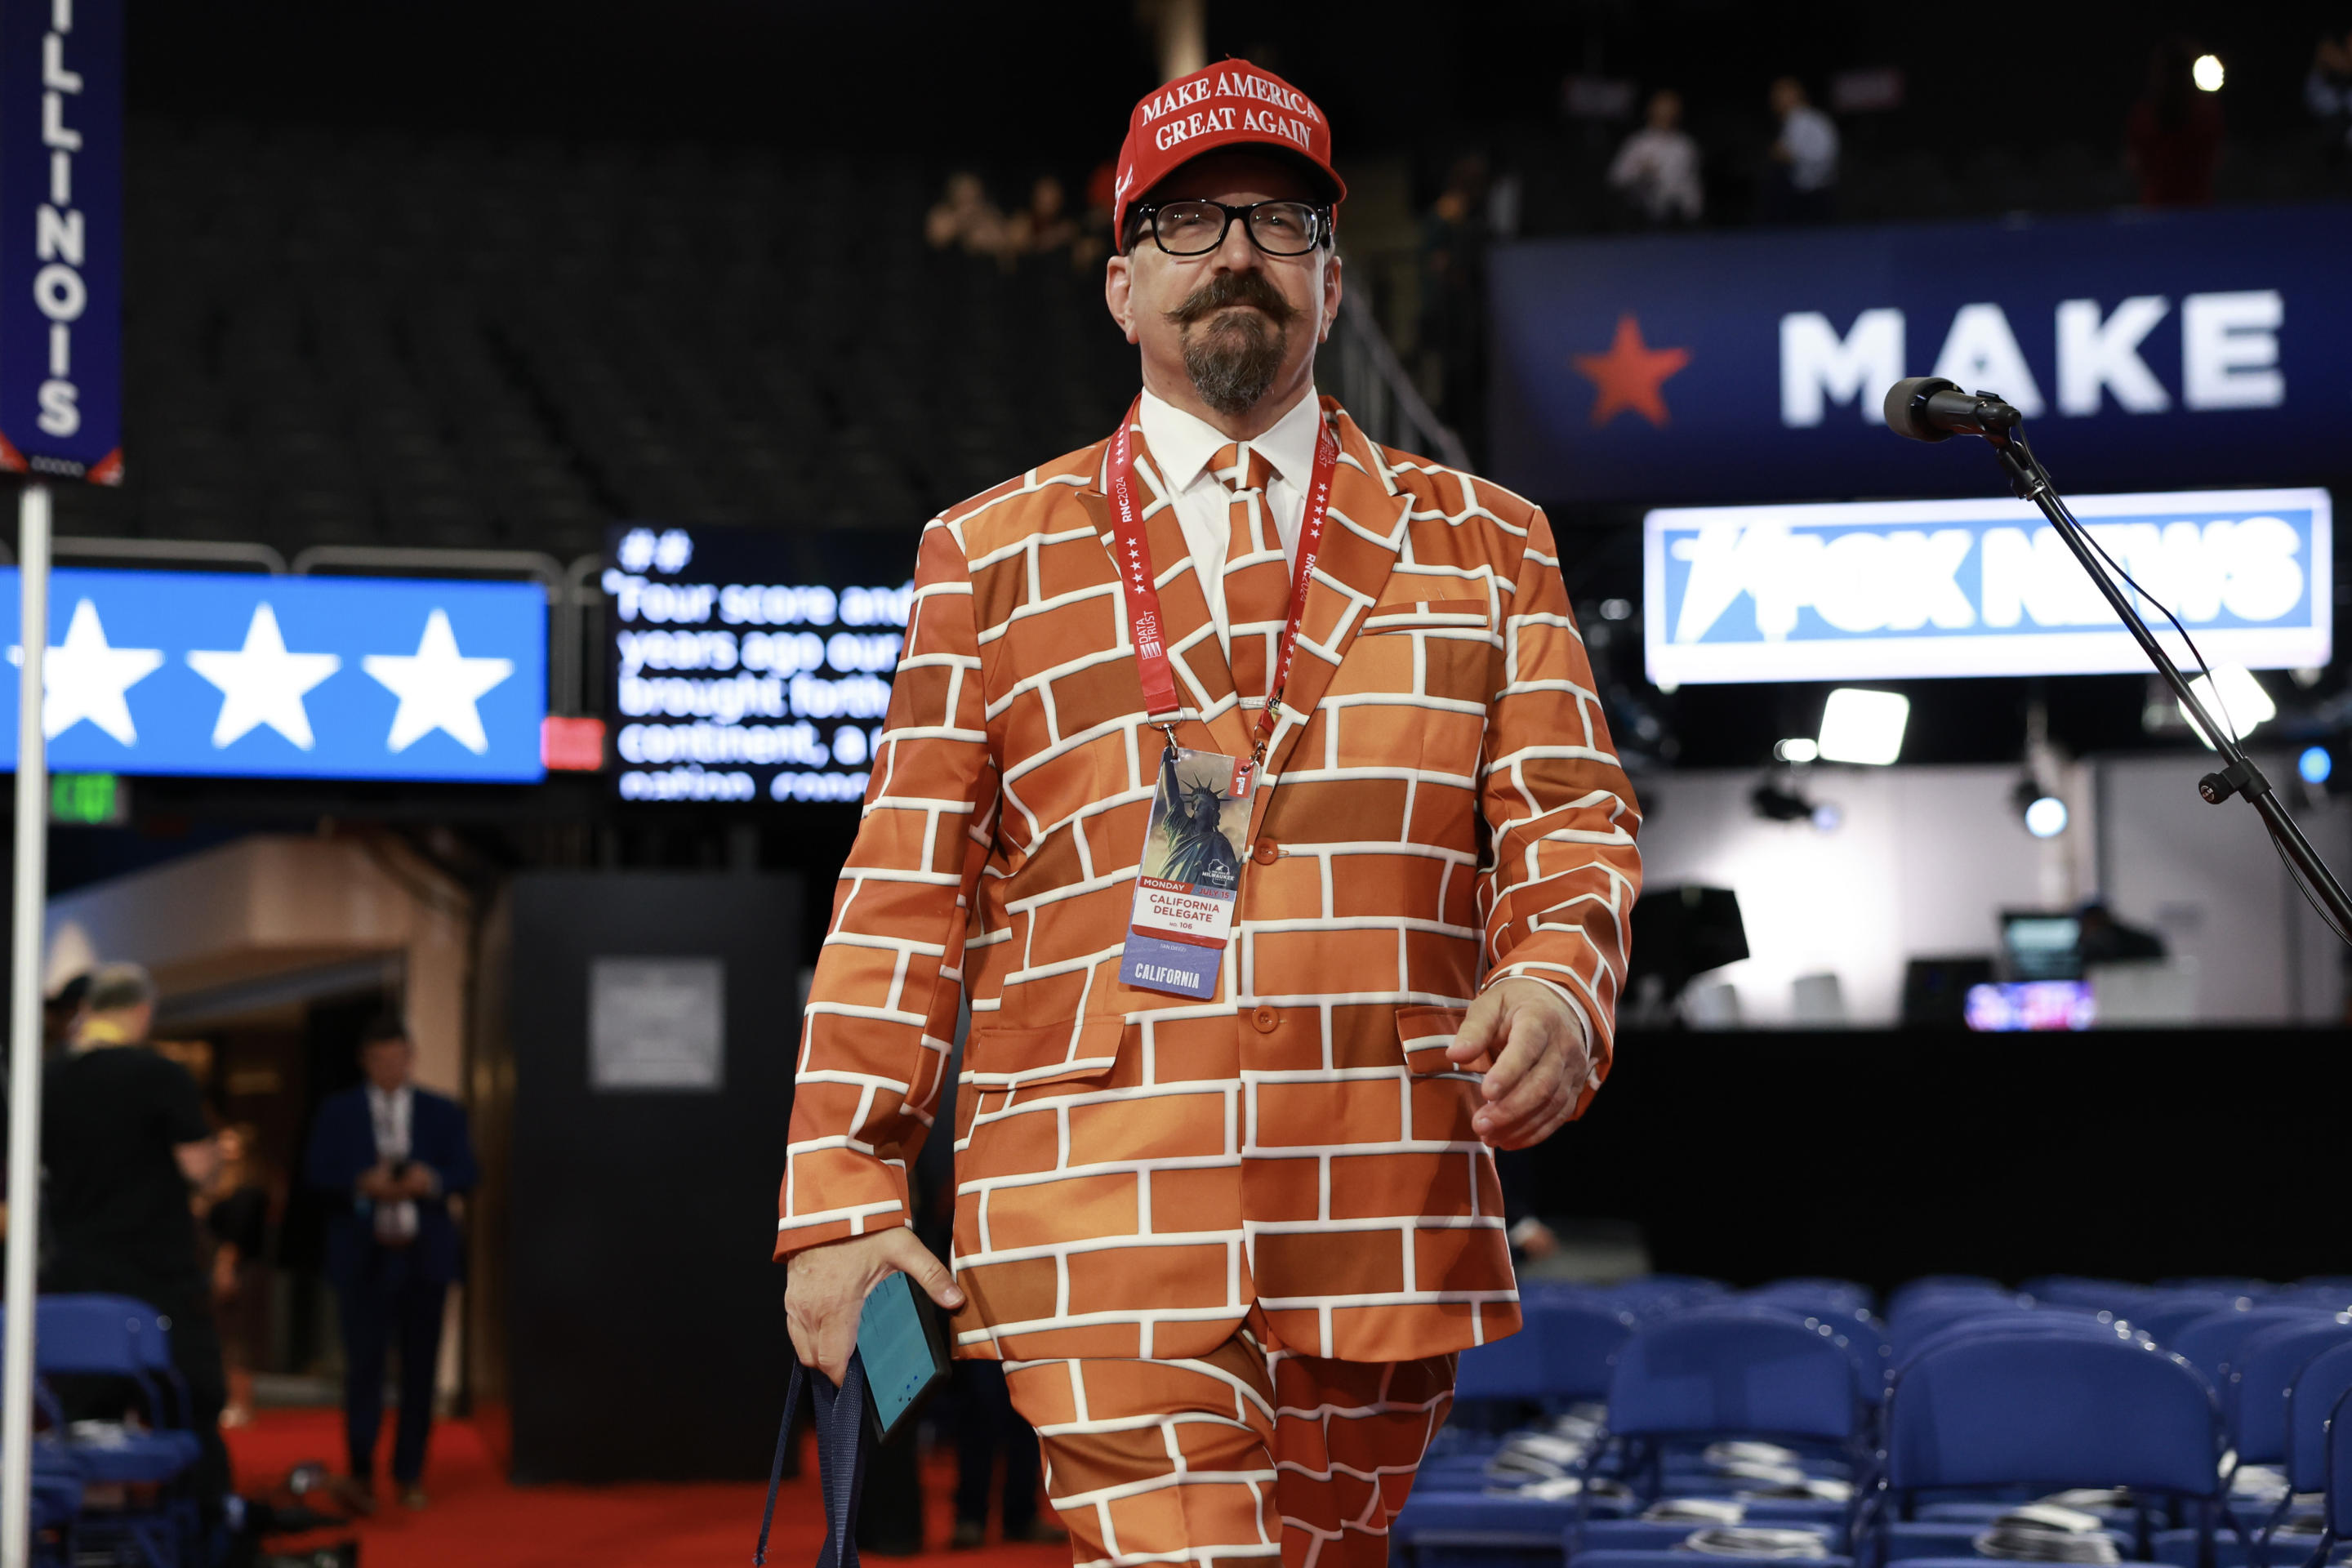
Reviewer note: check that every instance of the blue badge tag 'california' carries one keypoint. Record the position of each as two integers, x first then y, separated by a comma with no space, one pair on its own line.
1190,875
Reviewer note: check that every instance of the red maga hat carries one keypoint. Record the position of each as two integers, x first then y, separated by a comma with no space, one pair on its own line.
1230,104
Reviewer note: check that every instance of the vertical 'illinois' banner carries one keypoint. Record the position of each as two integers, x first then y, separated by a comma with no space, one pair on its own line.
61,238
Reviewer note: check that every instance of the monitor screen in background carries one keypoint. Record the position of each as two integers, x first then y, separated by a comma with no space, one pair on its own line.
2043,947
750,665
2030,1004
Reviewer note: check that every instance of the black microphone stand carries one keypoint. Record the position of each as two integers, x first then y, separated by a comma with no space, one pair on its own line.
2239,775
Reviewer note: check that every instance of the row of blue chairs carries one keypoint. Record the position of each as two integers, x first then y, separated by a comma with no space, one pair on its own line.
113,1489
1927,1434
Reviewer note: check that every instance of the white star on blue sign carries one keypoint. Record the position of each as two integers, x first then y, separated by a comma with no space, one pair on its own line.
262,683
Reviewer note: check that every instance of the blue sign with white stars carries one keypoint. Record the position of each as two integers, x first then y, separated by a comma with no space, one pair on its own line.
343,678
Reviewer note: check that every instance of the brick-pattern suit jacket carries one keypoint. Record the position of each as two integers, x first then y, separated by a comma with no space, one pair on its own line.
1441,808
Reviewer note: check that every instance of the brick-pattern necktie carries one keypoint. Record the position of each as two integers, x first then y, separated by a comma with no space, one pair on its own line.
1257,578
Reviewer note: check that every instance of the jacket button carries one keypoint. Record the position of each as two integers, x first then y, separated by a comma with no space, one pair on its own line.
1265,1019
1265,854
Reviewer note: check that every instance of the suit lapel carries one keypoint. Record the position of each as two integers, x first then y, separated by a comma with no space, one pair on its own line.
1361,536
1204,682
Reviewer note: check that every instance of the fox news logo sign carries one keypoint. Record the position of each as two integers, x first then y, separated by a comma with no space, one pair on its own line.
1890,590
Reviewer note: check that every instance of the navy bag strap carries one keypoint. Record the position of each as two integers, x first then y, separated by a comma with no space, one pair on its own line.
840,1459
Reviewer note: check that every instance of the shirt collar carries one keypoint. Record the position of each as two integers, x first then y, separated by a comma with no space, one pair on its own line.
1181,444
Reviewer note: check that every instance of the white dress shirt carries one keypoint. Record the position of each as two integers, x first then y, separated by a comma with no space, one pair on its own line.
390,1113
1660,170
1810,139
1181,445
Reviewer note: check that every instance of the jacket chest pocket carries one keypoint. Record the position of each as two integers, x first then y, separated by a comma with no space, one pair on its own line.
1448,647
1421,675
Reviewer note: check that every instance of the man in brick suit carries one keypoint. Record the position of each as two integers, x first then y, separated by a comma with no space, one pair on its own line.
1226,1205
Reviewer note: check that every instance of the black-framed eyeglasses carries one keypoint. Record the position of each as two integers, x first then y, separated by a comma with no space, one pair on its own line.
1198,227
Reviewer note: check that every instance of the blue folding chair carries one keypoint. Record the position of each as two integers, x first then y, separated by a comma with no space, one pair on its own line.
1560,1355
1928,1317
57,1505
1675,1557
2262,1377
1809,1290
115,1338
2212,1342
1652,1294
2311,1400
1729,1372
2078,1291
1929,1285
2339,1478
2045,1410
2170,1311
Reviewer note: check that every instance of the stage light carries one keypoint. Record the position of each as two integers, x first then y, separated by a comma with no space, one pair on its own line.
2235,699
2315,764
2207,73
2045,817
1616,609
1796,749
1859,726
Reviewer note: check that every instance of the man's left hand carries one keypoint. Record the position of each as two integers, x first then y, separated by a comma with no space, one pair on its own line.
1540,1062
418,1181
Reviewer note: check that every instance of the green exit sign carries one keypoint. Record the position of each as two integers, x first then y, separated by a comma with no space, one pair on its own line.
89,800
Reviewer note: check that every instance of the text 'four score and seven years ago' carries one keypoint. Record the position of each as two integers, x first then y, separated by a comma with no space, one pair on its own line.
745,690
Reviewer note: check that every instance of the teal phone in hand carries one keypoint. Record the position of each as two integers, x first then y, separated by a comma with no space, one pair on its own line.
905,1349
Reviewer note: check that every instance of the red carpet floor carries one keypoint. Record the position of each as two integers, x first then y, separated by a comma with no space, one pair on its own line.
478,1518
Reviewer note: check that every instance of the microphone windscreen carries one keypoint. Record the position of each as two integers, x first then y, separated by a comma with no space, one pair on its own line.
1907,398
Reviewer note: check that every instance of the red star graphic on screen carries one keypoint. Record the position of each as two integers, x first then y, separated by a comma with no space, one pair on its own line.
1629,376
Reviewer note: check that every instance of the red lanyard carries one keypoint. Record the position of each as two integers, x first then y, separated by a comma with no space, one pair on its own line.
1134,552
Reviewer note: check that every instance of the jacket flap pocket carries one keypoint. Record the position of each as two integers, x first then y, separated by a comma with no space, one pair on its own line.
1074,1052
1427,614
1424,1033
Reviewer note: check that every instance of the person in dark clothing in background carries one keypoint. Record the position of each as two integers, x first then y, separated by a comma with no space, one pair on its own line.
985,1421
391,1158
2172,137
235,1208
2106,940
125,1142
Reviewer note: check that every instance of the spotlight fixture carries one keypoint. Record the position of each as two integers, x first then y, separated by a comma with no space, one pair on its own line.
2235,699
2044,814
2314,767
2207,73
1796,749
1866,727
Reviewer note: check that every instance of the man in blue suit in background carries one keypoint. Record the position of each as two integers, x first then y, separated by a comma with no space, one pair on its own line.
390,1157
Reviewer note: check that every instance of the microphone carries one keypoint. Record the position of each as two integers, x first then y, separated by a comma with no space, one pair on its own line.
1929,408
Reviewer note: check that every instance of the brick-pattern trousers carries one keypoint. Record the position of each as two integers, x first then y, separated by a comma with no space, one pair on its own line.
1245,1453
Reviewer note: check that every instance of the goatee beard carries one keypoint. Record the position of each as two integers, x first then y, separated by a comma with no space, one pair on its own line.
1233,360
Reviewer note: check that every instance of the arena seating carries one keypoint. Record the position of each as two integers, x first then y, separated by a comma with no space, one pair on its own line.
380,339
1973,1423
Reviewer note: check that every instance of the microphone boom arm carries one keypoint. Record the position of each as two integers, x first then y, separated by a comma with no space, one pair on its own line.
2238,776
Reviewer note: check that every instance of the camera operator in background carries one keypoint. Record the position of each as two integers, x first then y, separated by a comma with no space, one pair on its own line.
391,1158
125,1142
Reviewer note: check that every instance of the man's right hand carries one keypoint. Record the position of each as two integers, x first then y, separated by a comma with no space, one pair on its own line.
825,1287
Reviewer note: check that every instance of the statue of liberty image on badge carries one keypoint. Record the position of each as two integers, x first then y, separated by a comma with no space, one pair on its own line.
1189,880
